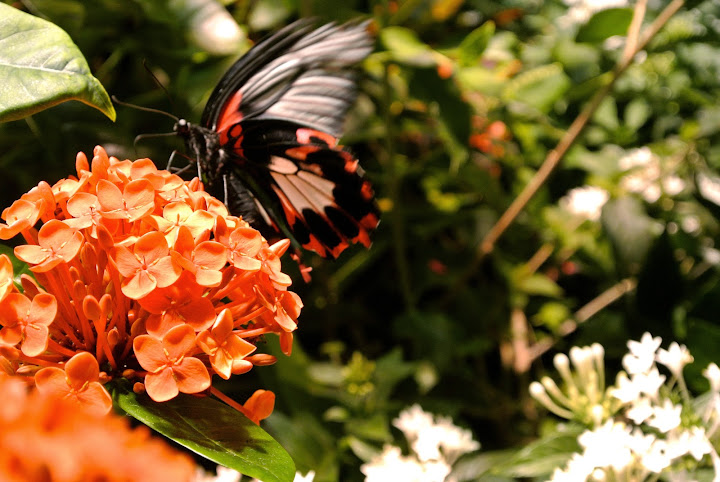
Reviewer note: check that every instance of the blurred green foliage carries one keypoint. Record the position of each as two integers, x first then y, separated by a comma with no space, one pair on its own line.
459,106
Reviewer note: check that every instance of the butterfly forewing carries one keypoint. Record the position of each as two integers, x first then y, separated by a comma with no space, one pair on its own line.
277,114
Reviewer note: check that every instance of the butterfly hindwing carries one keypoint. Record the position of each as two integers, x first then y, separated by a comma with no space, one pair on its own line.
304,178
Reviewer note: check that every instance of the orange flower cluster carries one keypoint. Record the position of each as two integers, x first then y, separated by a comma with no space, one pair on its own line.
142,275
42,438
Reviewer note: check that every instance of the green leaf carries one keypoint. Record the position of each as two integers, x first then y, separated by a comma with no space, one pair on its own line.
630,230
41,67
637,112
539,87
552,315
213,430
406,47
452,113
538,284
473,46
605,24
606,114
541,457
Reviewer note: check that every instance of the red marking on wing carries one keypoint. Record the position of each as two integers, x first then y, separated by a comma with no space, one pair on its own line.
229,116
369,221
301,152
304,134
366,191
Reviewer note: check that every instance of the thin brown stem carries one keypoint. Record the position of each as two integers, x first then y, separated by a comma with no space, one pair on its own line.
633,35
589,310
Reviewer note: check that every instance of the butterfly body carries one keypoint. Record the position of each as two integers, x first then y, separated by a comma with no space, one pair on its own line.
268,139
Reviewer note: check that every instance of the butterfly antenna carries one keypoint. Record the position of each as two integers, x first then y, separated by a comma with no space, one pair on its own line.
158,83
146,109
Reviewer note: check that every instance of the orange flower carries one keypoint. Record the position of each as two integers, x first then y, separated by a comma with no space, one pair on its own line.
149,266
26,322
79,382
135,201
227,350
170,368
43,438
84,209
244,245
130,264
6,276
204,260
183,302
58,243
180,214
20,216
260,405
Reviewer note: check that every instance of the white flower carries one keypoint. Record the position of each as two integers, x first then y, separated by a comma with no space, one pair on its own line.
427,437
455,441
636,158
712,373
578,469
642,354
607,445
675,358
710,255
392,465
709,187
673,185
690,224
665,417
625,390
640,411
412,421
649,383
436,470
698,445
427,444
640,443
586,201
224,474
656,459
309,477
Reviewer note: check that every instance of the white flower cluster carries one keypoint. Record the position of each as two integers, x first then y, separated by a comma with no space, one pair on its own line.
645,175
586,201
639,429
436,443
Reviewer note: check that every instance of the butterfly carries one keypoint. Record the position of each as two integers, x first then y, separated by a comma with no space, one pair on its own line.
267,141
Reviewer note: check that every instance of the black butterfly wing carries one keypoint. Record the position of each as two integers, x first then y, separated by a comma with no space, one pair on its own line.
278,112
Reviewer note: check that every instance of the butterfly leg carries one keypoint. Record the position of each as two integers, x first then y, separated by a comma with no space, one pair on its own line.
172,156
225,191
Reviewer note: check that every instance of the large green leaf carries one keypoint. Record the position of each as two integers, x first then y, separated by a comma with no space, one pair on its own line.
40,67
213,430
605,24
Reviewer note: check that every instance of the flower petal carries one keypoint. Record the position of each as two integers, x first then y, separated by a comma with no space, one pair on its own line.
191,376
161,386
